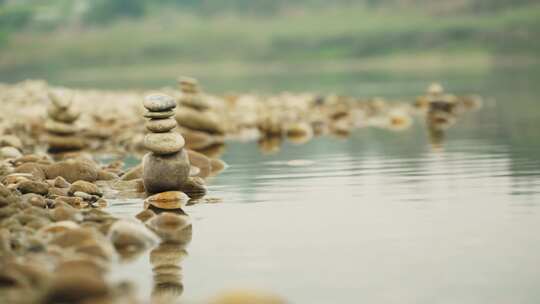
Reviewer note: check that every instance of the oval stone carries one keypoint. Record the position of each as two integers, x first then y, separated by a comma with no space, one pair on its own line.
60,99
61,128
159,115
159,102
160,125
68,115
168,200
164,143
165,172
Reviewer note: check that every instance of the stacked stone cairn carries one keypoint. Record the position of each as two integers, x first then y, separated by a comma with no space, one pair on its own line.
61,124
195,113
166,167
191,94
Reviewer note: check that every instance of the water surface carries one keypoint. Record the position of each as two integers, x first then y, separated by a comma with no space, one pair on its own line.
382,217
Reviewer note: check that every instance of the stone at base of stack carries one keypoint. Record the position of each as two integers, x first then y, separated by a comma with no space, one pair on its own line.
165,172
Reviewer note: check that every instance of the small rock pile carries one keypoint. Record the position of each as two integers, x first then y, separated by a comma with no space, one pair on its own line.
61,124
167,166
200,124
191,94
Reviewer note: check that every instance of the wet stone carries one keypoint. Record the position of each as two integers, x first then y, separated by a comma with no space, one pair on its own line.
86,187
164,143
159,115
160,125
60,128
168,200
165,172
33,187
159,103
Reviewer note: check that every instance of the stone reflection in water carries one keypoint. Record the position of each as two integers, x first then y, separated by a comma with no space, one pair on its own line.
164,215
175,230
443,111
270,145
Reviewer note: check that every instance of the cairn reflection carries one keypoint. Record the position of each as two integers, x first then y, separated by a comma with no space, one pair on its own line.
176,231
167,219
443,111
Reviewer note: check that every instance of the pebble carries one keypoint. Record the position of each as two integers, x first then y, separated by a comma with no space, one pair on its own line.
85,196
86,187
33,187
60,182
159,115
34,200
196,102
164,143
246,297
161,125
60,128
54,192
73,201
159,103
59,227
76,287
59,143
8,140
69,115
106,175
59,100
72,170
34,169
168,200
16,178
202,121
12,152
165,172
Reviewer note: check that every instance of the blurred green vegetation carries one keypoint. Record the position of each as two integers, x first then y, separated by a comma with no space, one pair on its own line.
124,38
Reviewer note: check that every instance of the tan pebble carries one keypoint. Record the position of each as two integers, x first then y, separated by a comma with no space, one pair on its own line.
59,227
33,187
158,102
246,297
164,143
34,169
168,200
86,187
60,182
161,125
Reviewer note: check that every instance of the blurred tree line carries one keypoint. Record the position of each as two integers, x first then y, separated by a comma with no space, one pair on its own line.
49,14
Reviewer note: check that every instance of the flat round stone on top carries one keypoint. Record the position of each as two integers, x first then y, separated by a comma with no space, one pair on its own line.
159,103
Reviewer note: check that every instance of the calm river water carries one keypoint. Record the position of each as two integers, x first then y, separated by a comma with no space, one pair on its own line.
382,217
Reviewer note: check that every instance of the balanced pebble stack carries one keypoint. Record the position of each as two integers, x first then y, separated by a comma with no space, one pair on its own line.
61,124
195,113
166,167
191,96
